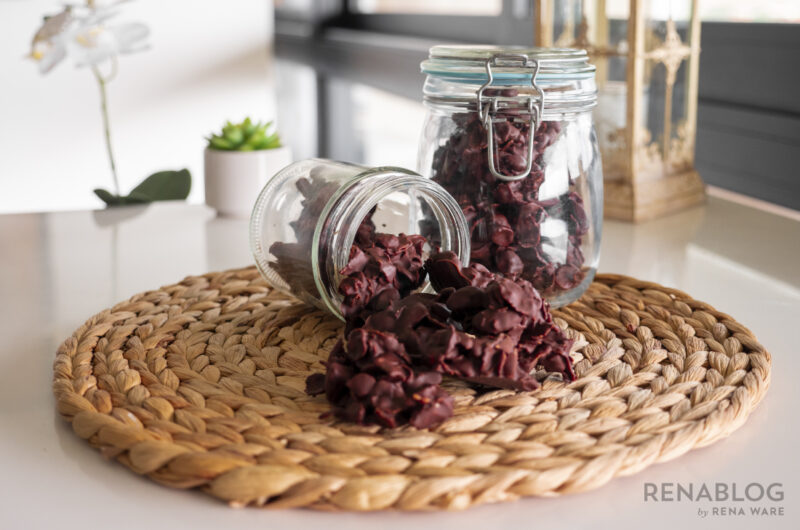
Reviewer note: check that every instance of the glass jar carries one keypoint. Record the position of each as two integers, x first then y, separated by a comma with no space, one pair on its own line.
509,133
308,216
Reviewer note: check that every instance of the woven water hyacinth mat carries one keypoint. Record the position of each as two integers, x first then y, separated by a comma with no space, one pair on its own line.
201,385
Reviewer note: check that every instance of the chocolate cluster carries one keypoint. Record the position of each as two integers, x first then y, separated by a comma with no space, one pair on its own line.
506,218
480,327
382,268
372,381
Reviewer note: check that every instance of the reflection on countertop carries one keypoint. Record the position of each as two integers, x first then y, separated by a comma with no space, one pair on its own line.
722,234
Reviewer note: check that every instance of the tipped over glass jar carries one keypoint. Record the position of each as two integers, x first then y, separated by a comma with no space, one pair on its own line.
509,134
308,217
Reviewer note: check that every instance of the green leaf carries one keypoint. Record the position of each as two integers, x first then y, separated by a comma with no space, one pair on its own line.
163,186
257,138
235,136
116,200
248,127
217,142
160,186
135,197
273,141
107,197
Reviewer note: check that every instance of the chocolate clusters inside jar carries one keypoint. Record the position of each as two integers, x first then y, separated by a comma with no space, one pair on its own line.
514,230
380,266
293,259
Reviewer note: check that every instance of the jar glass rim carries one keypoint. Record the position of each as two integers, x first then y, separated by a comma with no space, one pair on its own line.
468,63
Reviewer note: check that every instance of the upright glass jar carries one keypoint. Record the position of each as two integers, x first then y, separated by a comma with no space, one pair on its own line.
308,216
509,134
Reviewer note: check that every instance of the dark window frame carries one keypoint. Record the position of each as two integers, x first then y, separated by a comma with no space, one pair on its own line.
512,25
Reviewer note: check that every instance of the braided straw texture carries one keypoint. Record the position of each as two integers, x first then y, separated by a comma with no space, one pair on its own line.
201,384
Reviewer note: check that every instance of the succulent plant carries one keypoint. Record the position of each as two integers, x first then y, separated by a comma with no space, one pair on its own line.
245,136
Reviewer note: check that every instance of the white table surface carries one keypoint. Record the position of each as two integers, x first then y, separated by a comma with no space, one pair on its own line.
58,269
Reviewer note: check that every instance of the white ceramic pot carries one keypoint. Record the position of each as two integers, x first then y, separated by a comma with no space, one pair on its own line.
234,179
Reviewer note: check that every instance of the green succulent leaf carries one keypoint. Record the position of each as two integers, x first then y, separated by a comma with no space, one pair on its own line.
272,141
248,127
221,143
233,135
245,136
257,137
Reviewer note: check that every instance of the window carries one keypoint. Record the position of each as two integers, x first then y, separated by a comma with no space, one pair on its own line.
439,7
294,5
786,11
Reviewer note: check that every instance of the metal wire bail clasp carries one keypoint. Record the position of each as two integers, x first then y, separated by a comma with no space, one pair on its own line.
488,107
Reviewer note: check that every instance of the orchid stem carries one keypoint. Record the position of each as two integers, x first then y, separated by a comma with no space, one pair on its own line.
101,81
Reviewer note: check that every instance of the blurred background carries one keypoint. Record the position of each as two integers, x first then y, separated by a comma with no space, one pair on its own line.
341,79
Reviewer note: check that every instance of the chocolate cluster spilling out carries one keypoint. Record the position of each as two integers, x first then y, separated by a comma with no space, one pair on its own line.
382,268
506,218
373,381
480,327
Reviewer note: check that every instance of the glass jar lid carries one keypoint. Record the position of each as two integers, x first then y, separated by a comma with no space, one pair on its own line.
510,82
552,82
468,63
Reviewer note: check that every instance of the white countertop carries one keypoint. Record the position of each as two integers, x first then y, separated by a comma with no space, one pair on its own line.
58,269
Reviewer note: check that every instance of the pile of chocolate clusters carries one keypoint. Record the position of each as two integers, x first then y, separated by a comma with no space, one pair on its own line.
480,327
487,328
506,218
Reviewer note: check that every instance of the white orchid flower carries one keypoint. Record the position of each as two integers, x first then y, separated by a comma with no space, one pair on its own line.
82,32
49,47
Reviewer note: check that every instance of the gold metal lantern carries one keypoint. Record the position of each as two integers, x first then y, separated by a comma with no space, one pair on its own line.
647,58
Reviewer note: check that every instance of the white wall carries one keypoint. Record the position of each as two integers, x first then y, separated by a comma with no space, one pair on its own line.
208,61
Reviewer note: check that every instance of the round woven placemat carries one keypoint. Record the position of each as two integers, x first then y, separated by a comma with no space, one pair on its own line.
200,384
